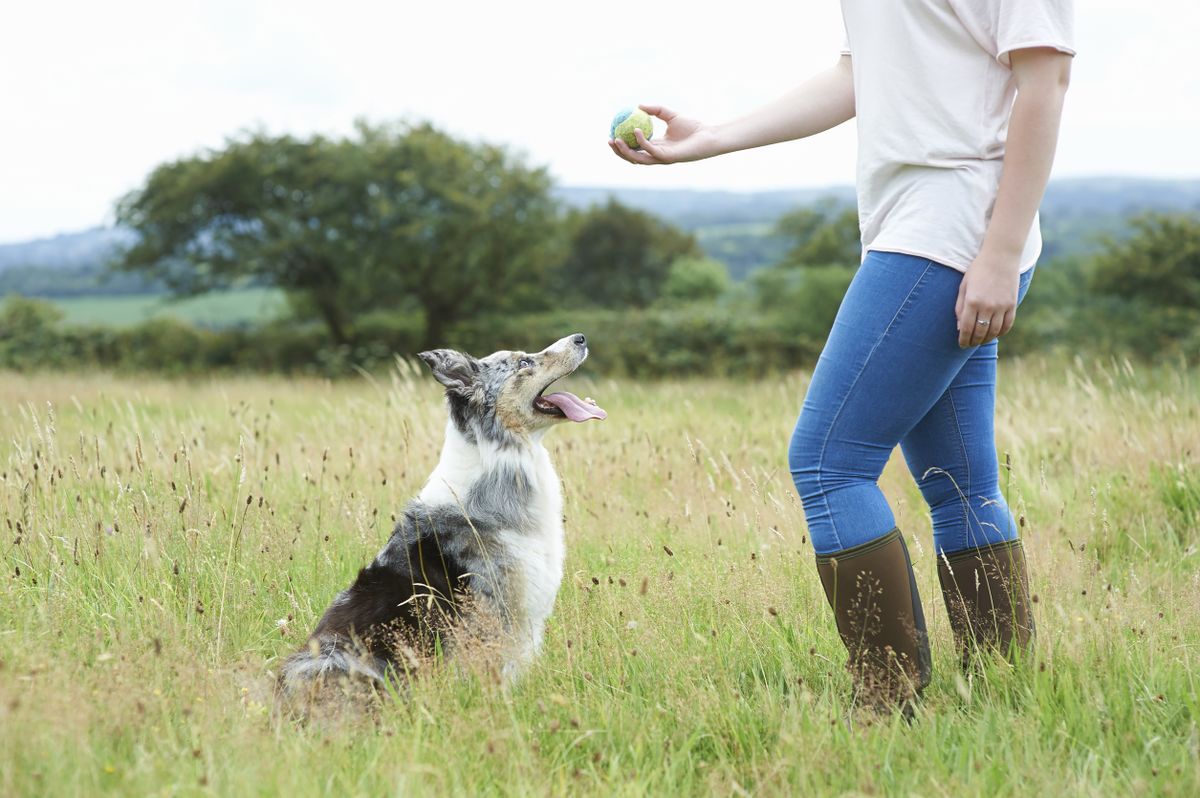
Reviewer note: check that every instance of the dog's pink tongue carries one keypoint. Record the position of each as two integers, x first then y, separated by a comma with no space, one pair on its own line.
573,407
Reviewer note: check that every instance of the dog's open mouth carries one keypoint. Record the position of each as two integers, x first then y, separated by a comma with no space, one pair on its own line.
565,404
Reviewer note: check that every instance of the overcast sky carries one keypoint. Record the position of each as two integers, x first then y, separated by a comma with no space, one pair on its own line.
95,94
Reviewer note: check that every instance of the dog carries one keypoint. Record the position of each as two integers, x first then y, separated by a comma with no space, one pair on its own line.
477,557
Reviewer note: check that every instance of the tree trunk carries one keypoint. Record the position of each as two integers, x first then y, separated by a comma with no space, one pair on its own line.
438,318
331,314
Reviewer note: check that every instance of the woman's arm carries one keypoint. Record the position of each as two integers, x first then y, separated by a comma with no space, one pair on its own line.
989,290
823,101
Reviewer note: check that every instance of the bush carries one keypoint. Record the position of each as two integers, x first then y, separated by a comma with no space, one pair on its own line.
801,303
778,321
695,280
27,338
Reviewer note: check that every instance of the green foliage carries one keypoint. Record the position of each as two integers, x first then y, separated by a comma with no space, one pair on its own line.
1139,297
824,234
1146,289
743,248
21,317
693,279
620,257
396,215
653,342
802,303
1158,263
26,327
625,278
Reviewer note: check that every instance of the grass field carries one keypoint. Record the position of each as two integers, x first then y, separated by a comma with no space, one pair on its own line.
220,309
164,543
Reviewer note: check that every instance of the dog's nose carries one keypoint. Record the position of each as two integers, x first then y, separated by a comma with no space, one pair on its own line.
579,340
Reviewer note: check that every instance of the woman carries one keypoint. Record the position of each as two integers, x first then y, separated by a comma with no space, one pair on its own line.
958,105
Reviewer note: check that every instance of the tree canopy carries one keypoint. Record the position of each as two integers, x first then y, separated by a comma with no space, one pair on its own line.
620,257
399,217
824,234
1159,262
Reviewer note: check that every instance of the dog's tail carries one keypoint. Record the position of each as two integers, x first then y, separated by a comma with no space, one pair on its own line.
327,658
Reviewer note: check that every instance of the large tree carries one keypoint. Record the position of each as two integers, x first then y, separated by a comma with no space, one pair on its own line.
824,234
394,217
1159,262
620,257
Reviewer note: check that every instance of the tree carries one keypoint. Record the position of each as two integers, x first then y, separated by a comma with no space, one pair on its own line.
693,279
620,257
1159,263
825,234
1142,295
397,217
28,332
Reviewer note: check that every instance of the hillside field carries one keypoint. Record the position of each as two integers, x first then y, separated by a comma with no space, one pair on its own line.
166,542
218,309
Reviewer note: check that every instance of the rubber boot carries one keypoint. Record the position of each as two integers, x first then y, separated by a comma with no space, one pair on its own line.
987,598
873,593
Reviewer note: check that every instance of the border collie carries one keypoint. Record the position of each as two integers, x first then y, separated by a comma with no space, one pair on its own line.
477,557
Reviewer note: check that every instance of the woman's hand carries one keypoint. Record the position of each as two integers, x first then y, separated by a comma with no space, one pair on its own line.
987,299
686,139
819,103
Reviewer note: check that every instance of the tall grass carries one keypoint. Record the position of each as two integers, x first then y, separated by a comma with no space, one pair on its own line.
165,543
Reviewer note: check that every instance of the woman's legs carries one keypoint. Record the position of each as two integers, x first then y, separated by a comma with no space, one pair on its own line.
892,372
891,355
891,358
951,453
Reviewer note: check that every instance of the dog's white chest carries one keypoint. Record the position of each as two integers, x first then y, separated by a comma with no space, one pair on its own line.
531,552
536,553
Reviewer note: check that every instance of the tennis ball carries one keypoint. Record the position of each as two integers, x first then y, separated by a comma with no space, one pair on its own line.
626,122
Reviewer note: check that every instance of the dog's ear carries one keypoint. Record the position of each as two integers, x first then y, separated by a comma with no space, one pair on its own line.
455,370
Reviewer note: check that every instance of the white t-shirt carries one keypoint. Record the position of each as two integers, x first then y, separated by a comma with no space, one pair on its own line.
933,92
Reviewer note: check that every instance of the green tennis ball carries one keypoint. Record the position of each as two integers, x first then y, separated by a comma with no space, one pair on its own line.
626,122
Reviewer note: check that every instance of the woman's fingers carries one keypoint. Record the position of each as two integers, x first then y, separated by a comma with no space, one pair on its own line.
993,330
662,112
1010,318
647,154
966,328
979,332
652,149
982,310
628,153
960,314
984,326
612,145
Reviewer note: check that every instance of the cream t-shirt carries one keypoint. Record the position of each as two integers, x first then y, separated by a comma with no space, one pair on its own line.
933,91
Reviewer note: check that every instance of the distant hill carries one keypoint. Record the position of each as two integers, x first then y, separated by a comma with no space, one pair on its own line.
1116,196
694,209
70,264
734,227
64,251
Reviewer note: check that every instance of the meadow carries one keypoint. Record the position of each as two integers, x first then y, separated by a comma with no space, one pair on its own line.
166,542
231,308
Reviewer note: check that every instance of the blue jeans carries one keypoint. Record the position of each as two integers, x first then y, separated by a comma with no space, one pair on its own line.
892,373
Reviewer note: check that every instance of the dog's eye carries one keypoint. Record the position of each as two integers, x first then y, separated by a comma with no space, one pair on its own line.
525,363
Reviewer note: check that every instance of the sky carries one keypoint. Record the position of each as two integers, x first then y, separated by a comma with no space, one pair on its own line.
94,95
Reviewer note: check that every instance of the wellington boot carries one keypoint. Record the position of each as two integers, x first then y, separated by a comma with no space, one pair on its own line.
874,597
987,597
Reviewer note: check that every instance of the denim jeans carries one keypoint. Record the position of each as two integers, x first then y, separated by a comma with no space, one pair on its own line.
892,373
